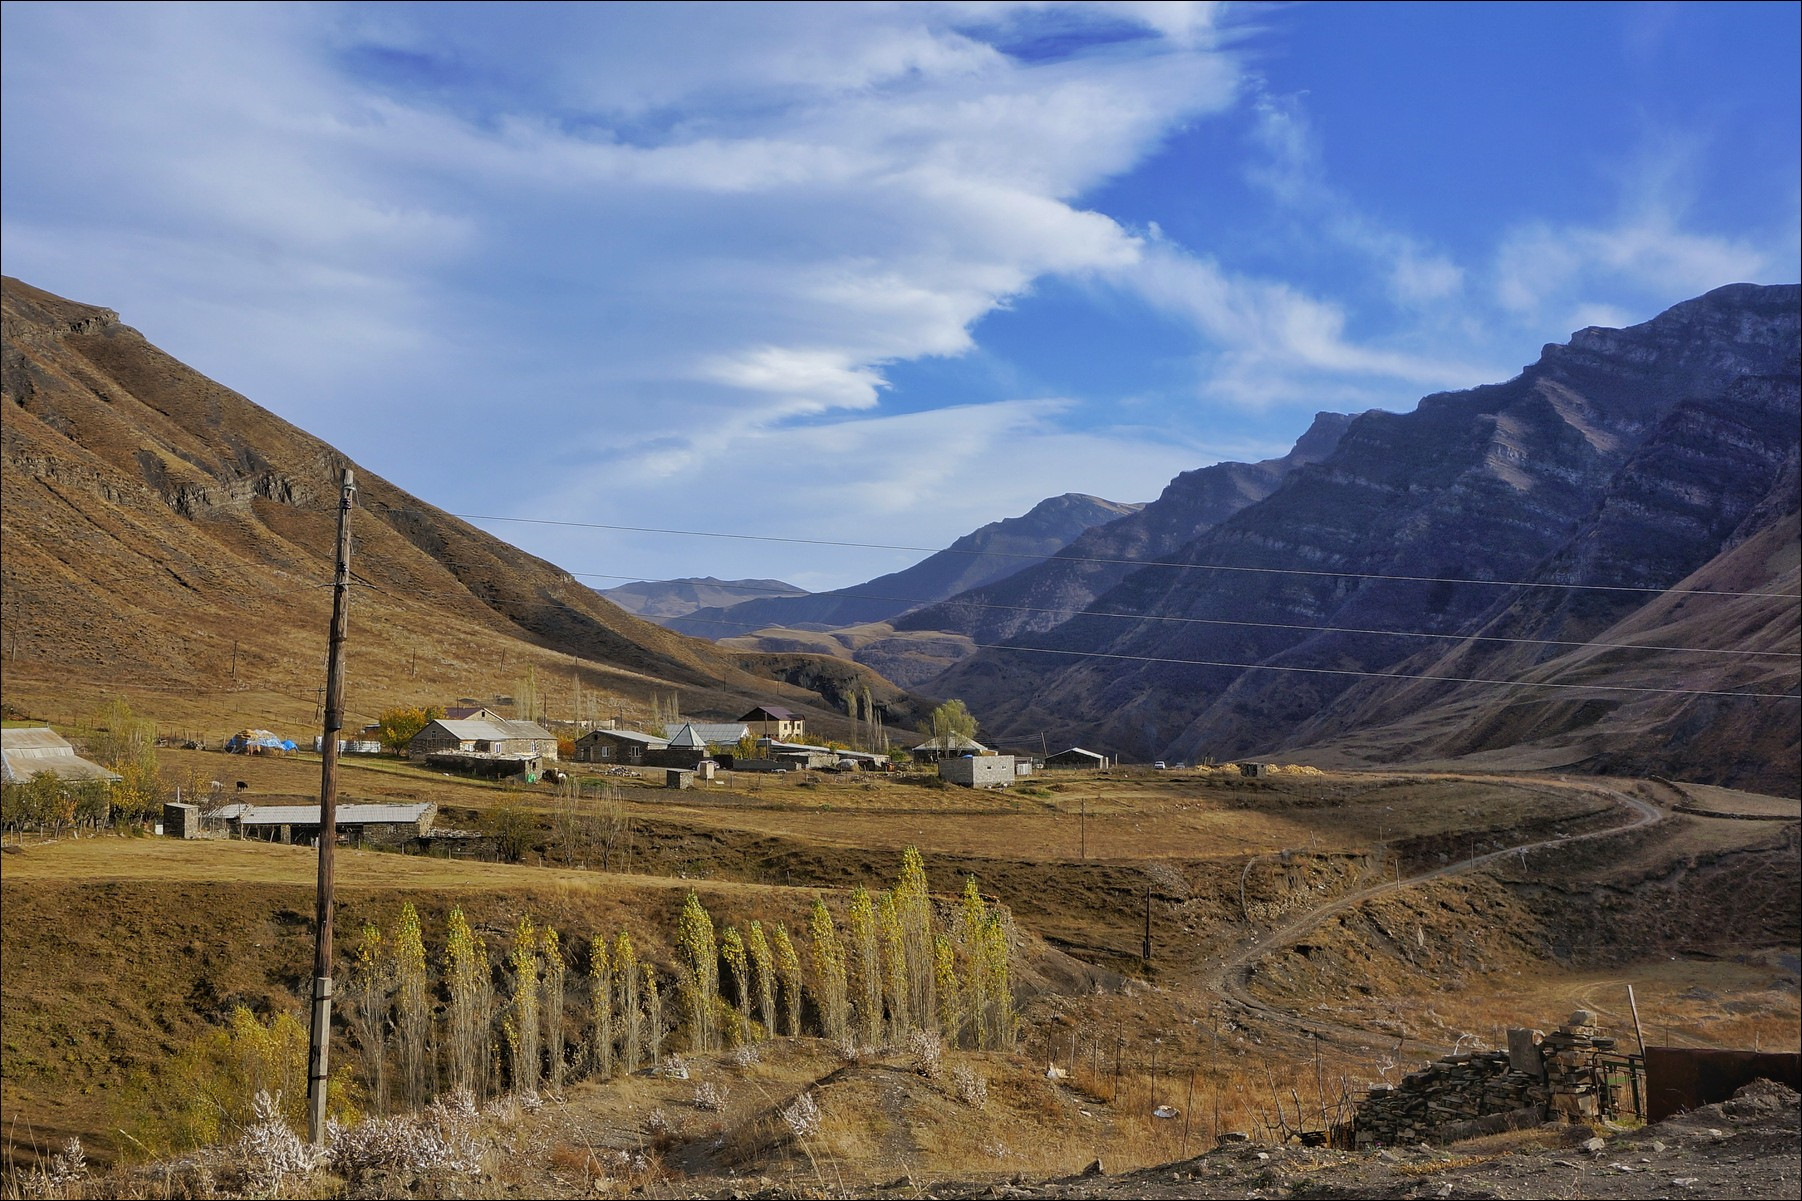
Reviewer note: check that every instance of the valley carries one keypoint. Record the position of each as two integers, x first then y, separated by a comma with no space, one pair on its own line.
1364,921
1519,734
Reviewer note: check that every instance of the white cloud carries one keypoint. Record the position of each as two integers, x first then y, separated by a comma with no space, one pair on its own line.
1541,268
915,479
1293,173
767,202
1275,344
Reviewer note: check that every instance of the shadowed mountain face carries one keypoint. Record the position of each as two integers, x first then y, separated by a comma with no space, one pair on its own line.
1492,535
1042,596
163,533
998,549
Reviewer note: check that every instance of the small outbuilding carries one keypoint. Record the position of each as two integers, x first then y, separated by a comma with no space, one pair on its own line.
384,824
627,747
1079,758
978,771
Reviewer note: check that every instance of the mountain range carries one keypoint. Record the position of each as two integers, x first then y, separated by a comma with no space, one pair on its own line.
1591,566
994,551
660,600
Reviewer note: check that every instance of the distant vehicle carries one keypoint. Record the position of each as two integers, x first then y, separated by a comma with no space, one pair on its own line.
1180,767
1158,766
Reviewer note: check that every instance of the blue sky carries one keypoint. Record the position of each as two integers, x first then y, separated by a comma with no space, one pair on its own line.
882,272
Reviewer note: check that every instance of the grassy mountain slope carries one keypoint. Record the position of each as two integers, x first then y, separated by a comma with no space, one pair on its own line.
166,536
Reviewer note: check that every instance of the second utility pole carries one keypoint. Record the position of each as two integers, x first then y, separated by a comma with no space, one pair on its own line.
320,1045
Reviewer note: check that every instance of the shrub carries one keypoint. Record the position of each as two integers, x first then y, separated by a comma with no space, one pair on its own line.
926,1054
971,1089
802,1117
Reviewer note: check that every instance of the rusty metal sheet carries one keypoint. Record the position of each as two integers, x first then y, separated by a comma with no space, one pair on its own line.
1680,1078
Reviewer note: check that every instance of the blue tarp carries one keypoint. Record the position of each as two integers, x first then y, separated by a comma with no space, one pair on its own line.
257,740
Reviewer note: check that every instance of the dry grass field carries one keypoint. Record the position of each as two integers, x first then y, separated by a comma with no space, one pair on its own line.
117,952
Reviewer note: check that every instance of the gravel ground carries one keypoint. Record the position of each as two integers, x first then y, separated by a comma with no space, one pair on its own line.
1748,1147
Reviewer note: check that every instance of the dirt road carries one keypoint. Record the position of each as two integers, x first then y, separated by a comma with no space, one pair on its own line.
1229,975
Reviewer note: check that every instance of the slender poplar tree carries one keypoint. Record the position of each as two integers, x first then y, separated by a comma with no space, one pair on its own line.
763,968
865,962
788,968
828,963
699,982
412,1008
732,950
600,1008
631,1023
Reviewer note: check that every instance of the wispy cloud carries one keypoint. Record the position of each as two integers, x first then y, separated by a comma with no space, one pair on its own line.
1290,169
676,255
1545,268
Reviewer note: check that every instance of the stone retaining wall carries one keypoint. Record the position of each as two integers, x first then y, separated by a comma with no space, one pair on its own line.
1540,1076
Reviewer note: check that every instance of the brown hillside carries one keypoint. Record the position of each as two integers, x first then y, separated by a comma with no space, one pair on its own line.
167,536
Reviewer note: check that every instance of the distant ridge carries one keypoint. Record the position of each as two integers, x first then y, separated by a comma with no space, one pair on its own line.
992,552
659,600
1040,596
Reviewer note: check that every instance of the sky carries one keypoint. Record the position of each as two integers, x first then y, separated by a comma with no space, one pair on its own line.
818,273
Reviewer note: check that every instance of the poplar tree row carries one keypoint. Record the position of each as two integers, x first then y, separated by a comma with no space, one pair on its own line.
486,1027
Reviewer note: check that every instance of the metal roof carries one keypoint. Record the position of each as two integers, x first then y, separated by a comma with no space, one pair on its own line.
718,732
776,712
478,729
32,750
687,739
390,813
650,740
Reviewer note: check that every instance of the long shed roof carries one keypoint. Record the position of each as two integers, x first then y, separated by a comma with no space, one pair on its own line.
30,751
477,729
387,813
720,733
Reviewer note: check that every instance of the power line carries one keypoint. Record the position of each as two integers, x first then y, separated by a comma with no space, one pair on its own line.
1384,675
1221,621
1336,575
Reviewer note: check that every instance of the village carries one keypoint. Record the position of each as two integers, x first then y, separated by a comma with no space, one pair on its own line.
481,743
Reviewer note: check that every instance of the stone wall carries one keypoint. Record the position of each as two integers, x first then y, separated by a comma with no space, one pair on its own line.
1540,1076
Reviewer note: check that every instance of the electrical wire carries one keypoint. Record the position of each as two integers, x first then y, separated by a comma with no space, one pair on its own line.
1135,563
1221,621
1384,675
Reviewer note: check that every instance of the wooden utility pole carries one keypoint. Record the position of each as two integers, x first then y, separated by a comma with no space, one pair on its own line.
320,1045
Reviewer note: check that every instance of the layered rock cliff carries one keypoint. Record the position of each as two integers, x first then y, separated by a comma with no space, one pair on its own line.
1550,510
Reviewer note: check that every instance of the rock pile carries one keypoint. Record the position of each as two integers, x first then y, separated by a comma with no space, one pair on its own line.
1538,1077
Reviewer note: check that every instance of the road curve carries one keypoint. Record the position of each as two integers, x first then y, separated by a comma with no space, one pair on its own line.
1230,974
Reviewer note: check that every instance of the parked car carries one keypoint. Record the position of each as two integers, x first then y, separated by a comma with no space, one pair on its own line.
1158,766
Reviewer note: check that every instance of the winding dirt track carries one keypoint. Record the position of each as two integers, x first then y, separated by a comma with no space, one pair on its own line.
1229,975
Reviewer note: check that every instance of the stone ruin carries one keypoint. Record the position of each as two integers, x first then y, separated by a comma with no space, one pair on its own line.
1573,1073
